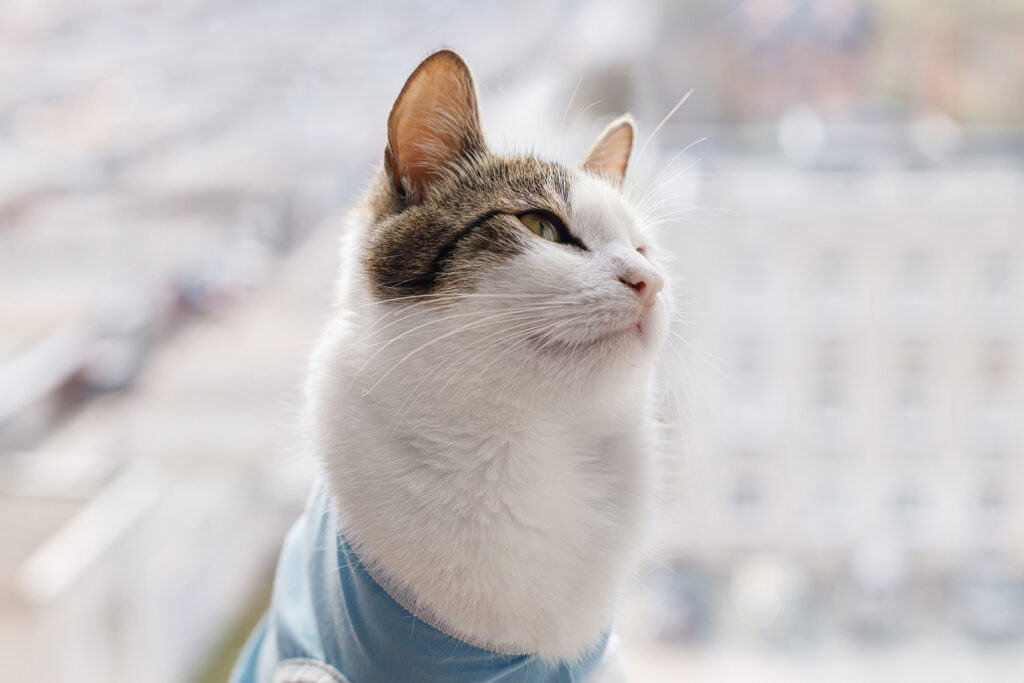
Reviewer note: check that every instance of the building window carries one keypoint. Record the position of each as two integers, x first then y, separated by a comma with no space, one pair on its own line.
830,301
910,411
748,508
909,511
914,296
994,431
828,412
997,301
990,513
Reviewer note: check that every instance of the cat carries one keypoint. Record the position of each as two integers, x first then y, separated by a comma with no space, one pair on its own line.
481,404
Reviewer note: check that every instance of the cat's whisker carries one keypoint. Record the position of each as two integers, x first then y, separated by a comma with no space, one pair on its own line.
565,115
437,320
507,382
674,213
653,199
530,320
657,226
655,185
662,123
580,115
387,342
689,384
431,342
444,297
704,356
525,331
547,331
415,304
520,330
412,310
690,208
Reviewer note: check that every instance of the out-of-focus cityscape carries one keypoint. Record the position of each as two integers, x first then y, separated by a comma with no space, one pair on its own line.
843,193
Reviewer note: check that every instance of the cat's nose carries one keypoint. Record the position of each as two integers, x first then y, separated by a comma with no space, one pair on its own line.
645,281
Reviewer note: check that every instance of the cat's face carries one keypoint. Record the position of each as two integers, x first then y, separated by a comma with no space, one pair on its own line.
509,271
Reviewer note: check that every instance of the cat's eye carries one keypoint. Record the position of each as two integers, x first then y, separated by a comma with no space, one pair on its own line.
542,226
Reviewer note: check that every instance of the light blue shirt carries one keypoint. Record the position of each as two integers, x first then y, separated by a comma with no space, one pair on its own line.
330,621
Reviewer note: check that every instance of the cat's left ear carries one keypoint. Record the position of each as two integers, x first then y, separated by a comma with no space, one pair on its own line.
610,154
433,126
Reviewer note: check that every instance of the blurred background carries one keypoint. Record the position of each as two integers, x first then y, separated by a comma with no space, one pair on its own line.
843,191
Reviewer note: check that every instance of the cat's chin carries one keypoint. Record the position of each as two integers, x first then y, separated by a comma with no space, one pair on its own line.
639,336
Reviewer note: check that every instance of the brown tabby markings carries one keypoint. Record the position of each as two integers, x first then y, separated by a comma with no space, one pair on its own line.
469,221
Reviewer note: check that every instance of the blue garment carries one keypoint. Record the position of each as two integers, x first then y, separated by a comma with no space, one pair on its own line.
330,621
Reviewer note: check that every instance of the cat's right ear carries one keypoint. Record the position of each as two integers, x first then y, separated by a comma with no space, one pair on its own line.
434,124
610,154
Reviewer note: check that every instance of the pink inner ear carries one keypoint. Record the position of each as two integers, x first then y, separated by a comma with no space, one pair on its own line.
425,150
412,155
433,121
610,154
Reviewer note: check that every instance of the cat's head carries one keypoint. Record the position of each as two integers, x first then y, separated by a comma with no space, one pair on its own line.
511,273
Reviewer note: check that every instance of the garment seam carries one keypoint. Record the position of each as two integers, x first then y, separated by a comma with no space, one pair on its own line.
299,663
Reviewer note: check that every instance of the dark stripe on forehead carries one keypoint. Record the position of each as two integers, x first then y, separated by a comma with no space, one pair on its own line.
458,228
427,280
446,250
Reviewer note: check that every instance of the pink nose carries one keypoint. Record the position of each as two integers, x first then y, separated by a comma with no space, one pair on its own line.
646,282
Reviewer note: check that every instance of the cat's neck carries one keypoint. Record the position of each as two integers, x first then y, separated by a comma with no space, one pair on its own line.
515,530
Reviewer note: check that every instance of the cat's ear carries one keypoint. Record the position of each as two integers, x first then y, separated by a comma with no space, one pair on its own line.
433,125
610,154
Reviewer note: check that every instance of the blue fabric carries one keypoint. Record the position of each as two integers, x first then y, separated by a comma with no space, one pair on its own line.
326,606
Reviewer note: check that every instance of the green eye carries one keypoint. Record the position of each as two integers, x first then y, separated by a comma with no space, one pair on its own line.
542,226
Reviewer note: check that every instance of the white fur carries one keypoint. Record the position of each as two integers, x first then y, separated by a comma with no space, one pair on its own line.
506,486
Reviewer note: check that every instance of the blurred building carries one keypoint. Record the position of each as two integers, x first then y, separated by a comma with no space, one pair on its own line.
137,575
852,372
872,333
